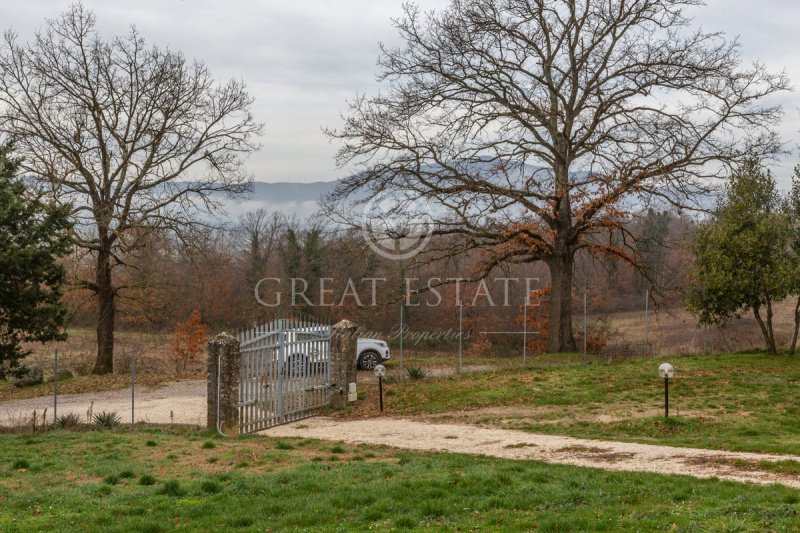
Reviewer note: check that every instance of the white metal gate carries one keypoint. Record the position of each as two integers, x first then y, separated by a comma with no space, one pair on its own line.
285,372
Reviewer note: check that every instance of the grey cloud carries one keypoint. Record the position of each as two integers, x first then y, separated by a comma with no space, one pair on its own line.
302,59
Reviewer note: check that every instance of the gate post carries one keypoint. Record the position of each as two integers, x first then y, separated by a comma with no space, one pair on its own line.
223,383
343,362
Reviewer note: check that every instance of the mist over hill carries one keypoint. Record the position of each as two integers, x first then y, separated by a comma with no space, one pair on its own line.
300,199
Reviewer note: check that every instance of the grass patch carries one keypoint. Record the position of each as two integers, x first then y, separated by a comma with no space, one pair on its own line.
741,402
782,467
171,488
20,464
392,490
209,486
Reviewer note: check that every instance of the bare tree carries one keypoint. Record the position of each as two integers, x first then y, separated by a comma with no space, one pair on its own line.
136,138
532,125
260,232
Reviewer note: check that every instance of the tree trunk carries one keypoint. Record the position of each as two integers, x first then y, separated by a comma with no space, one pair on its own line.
105,316
772,344
559,327
562,262
771,350
793,347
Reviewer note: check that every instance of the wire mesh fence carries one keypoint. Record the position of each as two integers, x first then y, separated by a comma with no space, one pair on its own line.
149,386
603,332
49,392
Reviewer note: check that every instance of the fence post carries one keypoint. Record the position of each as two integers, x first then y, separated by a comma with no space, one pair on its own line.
223,383
402,334
646,320
133,392
585,328
525,330
343,362
55,387
460,336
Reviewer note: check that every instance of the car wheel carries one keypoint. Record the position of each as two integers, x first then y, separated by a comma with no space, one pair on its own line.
369,359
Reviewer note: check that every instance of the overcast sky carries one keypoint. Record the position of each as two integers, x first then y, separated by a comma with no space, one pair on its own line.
303,58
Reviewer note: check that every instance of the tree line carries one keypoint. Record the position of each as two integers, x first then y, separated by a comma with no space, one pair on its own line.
527,132
748,253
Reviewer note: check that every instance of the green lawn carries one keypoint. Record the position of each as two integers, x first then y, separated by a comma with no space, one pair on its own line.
159,481
746,402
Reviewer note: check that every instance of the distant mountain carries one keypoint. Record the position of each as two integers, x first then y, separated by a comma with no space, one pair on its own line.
301,199
291,198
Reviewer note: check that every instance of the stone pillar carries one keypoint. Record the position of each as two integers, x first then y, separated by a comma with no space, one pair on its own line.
343,361
225,349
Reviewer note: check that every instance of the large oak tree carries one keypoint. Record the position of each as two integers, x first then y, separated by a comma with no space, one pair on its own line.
137,138
527,128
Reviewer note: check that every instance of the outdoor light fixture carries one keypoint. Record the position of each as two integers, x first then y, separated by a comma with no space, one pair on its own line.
380,371
666,371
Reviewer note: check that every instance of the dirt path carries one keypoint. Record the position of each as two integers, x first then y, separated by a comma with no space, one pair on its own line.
180,402
415,435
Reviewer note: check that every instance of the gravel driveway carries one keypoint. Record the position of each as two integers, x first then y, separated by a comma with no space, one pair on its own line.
508,444
181,402
184,402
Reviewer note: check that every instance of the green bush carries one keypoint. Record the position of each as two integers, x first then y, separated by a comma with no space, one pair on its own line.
209,445
67,421
416,373
107,419
20,464
147,480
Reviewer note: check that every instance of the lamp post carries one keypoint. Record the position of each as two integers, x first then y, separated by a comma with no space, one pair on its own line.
380,371
666,371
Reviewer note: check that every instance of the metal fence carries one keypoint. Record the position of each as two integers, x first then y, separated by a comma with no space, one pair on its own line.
148,388
285,372
603,332
139,391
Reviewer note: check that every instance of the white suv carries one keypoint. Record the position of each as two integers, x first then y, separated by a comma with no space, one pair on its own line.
371,353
